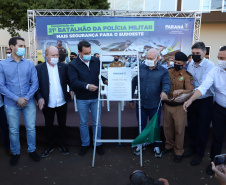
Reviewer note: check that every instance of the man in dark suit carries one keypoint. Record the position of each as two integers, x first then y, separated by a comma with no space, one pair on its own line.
52,96
83,73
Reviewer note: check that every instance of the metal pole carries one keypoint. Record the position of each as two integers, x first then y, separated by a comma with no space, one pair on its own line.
97,120
119,121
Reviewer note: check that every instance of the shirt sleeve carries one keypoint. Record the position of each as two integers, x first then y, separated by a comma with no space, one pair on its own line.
207,83
73,77
3,89
33,83
166,83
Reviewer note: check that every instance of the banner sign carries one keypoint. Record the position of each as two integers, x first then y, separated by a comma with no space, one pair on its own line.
168,35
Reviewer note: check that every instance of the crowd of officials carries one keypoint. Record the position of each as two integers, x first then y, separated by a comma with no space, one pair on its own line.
192,89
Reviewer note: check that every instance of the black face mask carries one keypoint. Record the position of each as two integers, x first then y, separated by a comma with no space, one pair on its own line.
196,58
71,58
116,59
178,67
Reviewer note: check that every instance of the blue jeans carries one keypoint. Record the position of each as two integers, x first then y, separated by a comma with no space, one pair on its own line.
83,111
13,118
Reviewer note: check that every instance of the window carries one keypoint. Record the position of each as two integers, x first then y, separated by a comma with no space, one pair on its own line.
152,5
136,5
216,4
191,5
168,5
224,6
208,52
203,5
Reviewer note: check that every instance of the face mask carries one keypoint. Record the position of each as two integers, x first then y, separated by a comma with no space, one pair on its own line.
116,59
8,55
222,64
150,63
71,58
171,63
178,67
20,52
54,61
196,58
86,57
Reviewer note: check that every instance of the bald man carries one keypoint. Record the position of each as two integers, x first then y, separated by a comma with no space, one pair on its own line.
52,96
154,86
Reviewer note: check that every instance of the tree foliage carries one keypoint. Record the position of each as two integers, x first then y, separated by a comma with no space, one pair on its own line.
13,13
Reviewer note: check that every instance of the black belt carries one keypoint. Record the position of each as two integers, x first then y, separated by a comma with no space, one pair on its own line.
173,104
220,106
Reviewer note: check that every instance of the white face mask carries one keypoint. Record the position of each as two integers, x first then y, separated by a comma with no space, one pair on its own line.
222,64
54,61
150,63
171,63
8,55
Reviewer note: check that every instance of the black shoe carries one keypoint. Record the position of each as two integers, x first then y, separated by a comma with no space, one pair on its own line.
177,158
196,160
83,150
100,150
188,153
47,151
209,170
64,150
165,151
34,156
14,160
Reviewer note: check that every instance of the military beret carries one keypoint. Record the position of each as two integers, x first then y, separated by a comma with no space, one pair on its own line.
180,56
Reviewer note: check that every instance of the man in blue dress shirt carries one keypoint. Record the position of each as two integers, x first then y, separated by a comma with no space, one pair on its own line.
154,86
215,79
18,83
200,112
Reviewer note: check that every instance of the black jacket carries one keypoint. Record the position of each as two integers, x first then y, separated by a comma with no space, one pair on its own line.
80,75
43,78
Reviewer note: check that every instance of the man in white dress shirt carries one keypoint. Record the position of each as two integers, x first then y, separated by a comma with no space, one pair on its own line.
216,78
200,112
52,97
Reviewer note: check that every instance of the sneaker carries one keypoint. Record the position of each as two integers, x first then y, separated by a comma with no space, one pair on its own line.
47,151
158,154
34,156
137,150
165,151
14,160
64,150
83,150
100,150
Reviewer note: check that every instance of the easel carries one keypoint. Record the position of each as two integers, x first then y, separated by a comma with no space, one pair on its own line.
119,140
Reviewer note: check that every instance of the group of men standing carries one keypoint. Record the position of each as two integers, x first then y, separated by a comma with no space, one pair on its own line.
156,82
21,81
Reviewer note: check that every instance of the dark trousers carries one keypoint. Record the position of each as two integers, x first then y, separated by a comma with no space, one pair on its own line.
61,113
199,119
147,114
4,128
219,129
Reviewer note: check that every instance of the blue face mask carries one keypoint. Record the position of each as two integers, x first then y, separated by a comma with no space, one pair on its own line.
86,57
20,52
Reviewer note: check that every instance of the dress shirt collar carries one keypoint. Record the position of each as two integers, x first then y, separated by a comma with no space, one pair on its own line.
11,59
201,64
48,65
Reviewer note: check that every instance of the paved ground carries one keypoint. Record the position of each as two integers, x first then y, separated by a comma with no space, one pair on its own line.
113,168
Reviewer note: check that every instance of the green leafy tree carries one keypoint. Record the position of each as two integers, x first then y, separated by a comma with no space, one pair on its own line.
13,13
